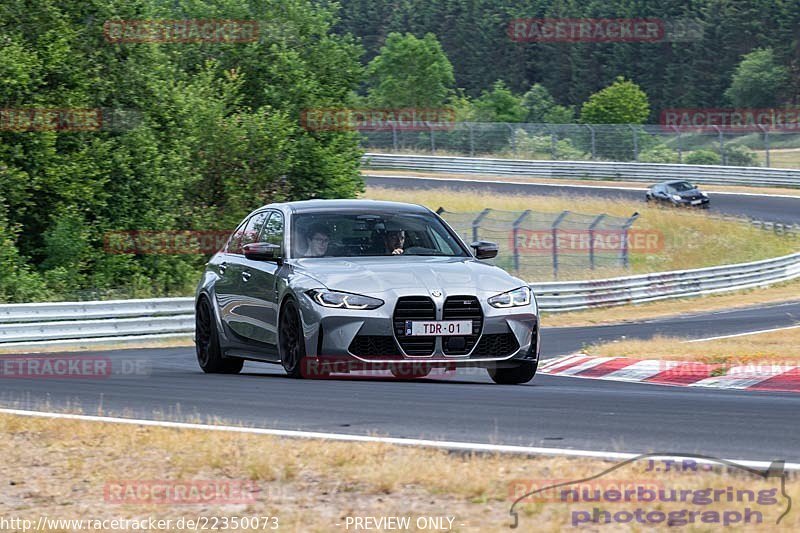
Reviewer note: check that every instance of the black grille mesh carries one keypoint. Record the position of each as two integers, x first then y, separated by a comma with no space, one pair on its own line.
414,308
462,308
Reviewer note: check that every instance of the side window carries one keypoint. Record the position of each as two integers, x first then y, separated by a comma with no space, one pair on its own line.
273,230
234,245
254,227
246,233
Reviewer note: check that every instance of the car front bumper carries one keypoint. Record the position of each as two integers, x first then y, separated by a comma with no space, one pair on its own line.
373,337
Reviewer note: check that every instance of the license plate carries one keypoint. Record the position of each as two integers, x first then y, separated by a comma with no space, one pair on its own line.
432,328
697,202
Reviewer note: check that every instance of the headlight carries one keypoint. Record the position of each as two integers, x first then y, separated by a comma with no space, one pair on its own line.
343,300
676,197
704,195
515,298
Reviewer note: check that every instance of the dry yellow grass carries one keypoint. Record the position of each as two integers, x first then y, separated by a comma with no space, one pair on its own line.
781,158
61,469
782,292
691,239
775,347
111,345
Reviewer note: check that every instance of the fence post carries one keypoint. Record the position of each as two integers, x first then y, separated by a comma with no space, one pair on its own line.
471,139
722,155
433,140
394,136
625,228
514,233
591,130
477,223
766,144
554,236
635,143
553,140
513,139
680,147
591,239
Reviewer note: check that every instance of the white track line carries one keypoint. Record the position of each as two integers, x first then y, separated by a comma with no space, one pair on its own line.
570,185
743,334
448,445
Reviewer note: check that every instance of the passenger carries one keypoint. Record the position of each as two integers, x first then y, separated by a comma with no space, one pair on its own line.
395,240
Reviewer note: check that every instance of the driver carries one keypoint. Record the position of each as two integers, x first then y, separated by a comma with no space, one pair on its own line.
318,236
395,240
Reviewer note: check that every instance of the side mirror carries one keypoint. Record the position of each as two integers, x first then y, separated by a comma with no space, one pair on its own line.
262,251
484,249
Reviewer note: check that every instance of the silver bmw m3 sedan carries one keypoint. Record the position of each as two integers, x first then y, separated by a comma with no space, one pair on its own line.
329,286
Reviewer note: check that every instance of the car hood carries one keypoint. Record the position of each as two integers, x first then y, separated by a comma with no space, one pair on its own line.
381,274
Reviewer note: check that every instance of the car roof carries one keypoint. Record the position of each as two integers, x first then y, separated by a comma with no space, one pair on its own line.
673,182
308,206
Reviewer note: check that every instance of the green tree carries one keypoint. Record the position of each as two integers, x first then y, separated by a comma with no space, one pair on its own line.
500,105
622,102
542,107
213,132
758,81
410,72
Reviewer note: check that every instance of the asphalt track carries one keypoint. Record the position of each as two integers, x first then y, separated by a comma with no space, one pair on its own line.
781,209
551,411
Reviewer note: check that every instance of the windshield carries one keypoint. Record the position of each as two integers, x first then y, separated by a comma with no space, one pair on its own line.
681,186
360,234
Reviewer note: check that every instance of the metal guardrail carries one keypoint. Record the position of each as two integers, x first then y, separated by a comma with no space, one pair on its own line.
576,295
31,325
597,170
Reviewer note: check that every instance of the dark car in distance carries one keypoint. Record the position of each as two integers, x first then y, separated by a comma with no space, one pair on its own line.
677,193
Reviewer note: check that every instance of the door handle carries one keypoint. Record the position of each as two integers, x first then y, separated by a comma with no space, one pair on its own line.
246,276
222,267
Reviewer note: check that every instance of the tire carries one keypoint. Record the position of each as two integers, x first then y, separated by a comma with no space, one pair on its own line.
409,371
292,346
209,353
521,373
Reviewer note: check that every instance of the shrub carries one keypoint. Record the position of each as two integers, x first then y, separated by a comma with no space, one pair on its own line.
739,156
659,154
702,157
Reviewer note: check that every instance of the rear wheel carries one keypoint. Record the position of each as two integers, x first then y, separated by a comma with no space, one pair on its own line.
521,373
209,354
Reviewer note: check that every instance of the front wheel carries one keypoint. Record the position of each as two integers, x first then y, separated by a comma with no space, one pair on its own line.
521,373
292,346
209,353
